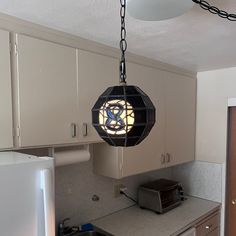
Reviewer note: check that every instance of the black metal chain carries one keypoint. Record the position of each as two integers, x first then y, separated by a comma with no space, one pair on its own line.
123,42
214,10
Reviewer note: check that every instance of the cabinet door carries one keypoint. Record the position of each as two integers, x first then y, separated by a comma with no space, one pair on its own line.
96,74
147,155
6,137
180,119
47,92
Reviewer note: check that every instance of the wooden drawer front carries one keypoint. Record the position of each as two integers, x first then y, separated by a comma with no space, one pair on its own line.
208,226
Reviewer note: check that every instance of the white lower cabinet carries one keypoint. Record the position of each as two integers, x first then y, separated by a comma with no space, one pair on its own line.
172,139
6,138
47,93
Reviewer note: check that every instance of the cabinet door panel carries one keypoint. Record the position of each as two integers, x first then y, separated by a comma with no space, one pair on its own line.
180,118
147,155
47,92
96,74
6,137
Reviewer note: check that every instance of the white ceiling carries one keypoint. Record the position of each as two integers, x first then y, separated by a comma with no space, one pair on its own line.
196,41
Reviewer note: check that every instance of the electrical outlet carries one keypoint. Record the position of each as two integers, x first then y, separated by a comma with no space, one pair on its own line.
117,189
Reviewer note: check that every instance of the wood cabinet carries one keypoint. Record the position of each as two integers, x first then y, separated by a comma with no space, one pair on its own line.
6,137
47,95
96,74
172,139
209,226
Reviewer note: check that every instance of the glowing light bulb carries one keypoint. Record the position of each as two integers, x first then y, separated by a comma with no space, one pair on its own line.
116,117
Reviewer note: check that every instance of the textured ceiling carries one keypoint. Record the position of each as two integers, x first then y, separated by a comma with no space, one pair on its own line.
196,41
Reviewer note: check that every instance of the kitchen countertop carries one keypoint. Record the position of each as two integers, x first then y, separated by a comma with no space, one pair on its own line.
134,221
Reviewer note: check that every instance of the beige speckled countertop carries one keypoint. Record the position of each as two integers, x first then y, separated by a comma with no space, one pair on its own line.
134,221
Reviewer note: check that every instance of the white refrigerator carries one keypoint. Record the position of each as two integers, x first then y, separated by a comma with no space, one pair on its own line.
26,195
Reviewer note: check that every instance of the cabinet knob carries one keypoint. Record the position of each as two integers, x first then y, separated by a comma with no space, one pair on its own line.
73,130
208,226
85,129
234,202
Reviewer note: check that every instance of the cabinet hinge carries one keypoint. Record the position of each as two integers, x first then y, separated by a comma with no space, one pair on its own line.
15,49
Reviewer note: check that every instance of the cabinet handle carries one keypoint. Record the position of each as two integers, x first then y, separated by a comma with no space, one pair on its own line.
163,158
73,130
168,157
85,129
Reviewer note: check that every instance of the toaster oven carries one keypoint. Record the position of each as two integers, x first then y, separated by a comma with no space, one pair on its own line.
160,195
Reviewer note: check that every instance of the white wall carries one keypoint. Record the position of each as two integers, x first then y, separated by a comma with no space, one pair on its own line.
214,89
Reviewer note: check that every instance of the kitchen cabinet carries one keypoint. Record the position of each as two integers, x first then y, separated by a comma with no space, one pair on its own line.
6,138
209,226
148,154
96,74
180,107
47,95
172,139
118,162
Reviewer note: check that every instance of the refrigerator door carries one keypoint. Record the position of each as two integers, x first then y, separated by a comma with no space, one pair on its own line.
26,195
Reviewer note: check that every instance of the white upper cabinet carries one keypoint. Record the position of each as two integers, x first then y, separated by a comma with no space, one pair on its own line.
6,139
118,162
147,155
180,119
172,139
96,74
47,93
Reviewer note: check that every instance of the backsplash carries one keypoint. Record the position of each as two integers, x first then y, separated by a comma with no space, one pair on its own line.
76,185
201,179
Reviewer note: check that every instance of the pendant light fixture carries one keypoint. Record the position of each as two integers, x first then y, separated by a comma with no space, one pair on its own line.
123,115
156,10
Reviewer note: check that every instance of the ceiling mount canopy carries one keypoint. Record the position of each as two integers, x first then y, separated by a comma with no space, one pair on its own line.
157,10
